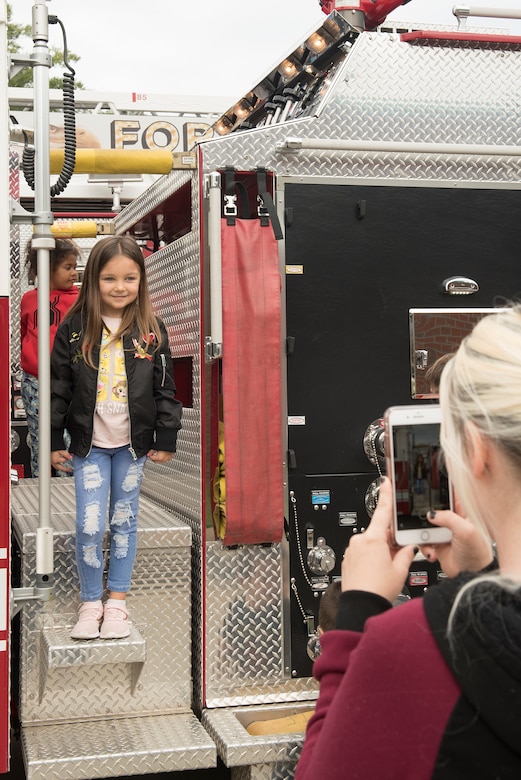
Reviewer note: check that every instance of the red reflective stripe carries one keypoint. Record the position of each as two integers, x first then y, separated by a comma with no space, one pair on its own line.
458,36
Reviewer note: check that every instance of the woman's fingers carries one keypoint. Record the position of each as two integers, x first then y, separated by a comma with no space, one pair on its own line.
448,519
381,521
469,549
371,562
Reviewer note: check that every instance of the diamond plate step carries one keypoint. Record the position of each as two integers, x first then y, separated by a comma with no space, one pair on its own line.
154,520
117,747
58,650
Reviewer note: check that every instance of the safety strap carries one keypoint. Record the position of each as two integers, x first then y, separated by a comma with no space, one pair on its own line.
236,204
266,208
231,187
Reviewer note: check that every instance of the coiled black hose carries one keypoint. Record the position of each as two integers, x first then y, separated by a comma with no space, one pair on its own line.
28,163
69,123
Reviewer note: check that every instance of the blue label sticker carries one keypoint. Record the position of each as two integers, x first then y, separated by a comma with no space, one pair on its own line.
320,497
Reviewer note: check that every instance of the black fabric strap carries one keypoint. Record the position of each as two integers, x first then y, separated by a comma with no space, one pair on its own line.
231,188
266,202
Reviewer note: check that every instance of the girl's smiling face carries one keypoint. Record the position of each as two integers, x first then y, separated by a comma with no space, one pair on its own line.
118,285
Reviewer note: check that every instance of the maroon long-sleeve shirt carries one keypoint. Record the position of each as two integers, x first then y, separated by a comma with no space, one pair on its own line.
399,702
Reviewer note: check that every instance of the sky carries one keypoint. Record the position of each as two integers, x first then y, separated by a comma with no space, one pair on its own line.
204,48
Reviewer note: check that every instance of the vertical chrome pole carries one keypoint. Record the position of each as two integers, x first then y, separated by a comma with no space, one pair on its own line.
43,242
215,343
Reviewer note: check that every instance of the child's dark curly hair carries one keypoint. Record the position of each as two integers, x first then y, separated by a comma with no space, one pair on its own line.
63,248
328,608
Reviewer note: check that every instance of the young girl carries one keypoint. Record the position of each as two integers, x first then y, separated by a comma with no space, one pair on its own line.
63,293
112,387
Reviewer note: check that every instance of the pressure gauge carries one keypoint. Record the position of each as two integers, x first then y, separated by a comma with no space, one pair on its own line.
15,440
322,558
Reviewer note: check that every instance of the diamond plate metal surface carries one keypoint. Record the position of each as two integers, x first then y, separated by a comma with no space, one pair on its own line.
152,197
242,677
15,297
14,260
59,650
125,746
158,528
385,91
14,176
120,682
244,629
174,280
236,747
284,770
173,277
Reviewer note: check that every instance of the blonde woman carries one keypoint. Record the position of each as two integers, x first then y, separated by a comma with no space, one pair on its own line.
432,688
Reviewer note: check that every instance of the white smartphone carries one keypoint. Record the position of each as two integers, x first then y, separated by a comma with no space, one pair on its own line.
414,466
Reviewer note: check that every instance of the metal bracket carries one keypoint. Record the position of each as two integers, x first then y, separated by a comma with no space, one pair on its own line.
230,205
262,211
20,597
289,145
421,359
462,13
18,214
105,228
212,350
183,161
19,63
309,620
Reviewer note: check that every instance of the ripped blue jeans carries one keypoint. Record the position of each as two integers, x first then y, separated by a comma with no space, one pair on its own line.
104,473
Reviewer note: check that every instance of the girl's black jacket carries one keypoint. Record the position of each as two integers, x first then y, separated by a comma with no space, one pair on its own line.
155,414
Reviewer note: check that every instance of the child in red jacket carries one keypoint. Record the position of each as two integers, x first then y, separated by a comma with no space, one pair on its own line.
63,293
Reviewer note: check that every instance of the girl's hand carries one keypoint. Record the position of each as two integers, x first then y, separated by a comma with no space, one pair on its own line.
371,562
468,550
61,460
159,456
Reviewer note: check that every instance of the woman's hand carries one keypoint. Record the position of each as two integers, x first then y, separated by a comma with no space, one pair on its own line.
61,460
159,456
372,562
468,550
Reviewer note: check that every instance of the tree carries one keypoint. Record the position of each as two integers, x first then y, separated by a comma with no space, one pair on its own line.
17,36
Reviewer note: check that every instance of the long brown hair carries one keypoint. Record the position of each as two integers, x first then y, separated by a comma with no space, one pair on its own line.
138,314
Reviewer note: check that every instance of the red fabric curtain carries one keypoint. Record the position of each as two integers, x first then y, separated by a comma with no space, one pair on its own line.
251,383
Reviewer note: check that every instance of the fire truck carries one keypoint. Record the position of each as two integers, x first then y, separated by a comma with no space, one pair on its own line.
349,220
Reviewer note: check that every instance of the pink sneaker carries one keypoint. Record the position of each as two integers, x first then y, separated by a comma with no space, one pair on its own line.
89,619
115,622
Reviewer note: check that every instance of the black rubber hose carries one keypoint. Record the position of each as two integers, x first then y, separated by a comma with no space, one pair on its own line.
69,123
69,157
69,114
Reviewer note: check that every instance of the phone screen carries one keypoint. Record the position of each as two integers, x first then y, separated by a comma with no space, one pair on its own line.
421,481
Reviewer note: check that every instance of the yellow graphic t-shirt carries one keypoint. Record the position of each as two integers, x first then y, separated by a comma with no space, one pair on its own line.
111,420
